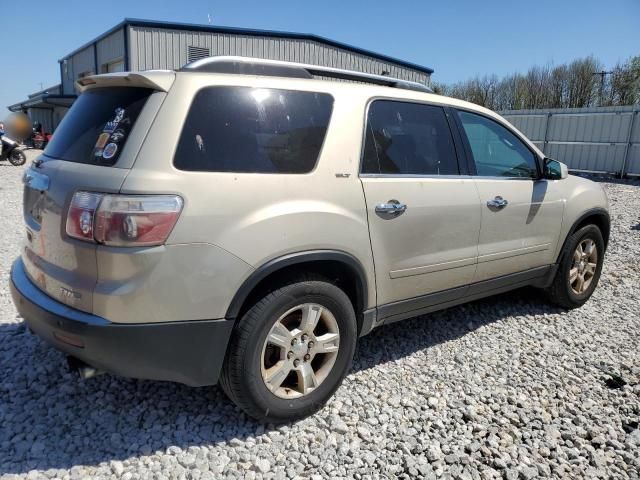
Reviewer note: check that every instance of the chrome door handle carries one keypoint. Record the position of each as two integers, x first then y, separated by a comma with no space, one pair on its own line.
392,207
497,202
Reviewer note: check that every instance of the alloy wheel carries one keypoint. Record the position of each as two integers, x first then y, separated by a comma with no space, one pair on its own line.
583,266
300,350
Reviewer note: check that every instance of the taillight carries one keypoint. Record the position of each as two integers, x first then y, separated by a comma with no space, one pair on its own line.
123,220
80,219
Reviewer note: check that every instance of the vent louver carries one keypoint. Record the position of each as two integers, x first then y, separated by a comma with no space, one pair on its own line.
196,53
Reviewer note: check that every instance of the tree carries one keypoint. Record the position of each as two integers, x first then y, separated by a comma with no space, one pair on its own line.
568,85
624,84
582,82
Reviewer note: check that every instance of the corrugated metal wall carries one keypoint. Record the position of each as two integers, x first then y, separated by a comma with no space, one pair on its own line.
83,61
110,48
106,50
80,62
598,139
44,116
167,49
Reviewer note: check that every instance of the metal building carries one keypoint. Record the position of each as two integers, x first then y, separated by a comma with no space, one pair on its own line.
144,45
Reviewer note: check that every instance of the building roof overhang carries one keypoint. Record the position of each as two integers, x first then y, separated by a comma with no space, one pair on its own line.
46,101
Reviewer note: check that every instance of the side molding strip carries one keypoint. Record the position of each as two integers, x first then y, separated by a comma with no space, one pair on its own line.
393,312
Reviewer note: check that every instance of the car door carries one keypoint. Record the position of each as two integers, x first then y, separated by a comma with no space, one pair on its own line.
424,216
521,212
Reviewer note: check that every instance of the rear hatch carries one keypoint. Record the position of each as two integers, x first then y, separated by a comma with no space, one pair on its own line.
92,150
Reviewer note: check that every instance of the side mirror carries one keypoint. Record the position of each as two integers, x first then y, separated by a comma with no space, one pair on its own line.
555,170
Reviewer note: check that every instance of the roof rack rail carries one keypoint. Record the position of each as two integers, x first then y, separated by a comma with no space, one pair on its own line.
276,68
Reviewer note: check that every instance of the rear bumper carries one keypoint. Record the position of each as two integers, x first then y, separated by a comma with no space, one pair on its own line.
189,352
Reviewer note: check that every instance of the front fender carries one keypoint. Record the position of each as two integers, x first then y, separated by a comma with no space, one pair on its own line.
586,202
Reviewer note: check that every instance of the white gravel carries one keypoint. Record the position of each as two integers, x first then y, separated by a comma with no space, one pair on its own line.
507,387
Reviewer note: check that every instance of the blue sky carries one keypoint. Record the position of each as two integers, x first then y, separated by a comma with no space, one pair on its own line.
457,38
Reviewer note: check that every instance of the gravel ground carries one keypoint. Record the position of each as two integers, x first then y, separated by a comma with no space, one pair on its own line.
506,387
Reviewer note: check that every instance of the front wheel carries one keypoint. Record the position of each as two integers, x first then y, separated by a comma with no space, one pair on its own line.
17,158
579,269
290,351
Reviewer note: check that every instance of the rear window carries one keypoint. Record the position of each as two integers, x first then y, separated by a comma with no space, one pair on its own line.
97,127
253,130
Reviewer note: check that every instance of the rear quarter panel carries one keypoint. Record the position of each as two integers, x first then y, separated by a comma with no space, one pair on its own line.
258,217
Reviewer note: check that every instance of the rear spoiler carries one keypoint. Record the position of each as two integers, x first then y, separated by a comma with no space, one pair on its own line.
156,79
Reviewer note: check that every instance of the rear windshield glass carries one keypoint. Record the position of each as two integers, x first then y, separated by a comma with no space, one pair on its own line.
242,129
97,126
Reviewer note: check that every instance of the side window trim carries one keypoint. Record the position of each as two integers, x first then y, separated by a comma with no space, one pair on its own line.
467,146
471,164
461,157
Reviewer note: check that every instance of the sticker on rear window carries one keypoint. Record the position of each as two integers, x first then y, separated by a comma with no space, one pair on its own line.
102,140
111,125
109,151
117,136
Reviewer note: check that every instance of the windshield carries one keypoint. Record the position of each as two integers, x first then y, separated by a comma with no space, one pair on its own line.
97,127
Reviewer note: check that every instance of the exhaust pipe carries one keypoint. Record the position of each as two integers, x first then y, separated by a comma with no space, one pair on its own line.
84,370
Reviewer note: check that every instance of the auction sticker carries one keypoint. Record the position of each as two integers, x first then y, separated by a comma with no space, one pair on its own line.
109,151
102,140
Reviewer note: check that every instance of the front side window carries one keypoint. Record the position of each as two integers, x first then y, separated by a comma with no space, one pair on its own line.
408,139
496,151
253,130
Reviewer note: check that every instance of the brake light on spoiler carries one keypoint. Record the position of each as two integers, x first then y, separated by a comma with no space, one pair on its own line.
123,220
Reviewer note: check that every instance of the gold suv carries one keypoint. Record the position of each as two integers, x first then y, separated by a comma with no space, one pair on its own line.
243,221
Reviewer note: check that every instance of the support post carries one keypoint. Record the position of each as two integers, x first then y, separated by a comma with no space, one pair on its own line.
546,132
627,147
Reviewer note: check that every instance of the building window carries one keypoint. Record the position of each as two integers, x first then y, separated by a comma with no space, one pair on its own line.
114,66
196,53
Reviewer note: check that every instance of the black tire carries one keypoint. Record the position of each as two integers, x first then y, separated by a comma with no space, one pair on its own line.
241,377
560,291
17,158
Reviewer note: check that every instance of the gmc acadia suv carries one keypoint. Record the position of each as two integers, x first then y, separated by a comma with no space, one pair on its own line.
242,221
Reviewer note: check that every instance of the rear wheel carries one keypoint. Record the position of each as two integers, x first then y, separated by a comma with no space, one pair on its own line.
290,351
579,269
17,158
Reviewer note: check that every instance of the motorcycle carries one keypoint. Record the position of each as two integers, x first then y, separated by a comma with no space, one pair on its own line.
39,137
12,152
40,140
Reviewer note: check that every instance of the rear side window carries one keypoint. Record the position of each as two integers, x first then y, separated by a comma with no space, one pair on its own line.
253,130
97,127
408,139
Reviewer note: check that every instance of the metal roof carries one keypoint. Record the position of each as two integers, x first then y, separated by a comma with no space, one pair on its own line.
44,101
247,31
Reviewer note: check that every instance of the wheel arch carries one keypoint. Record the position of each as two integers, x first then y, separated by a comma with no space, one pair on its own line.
340,266
594,216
